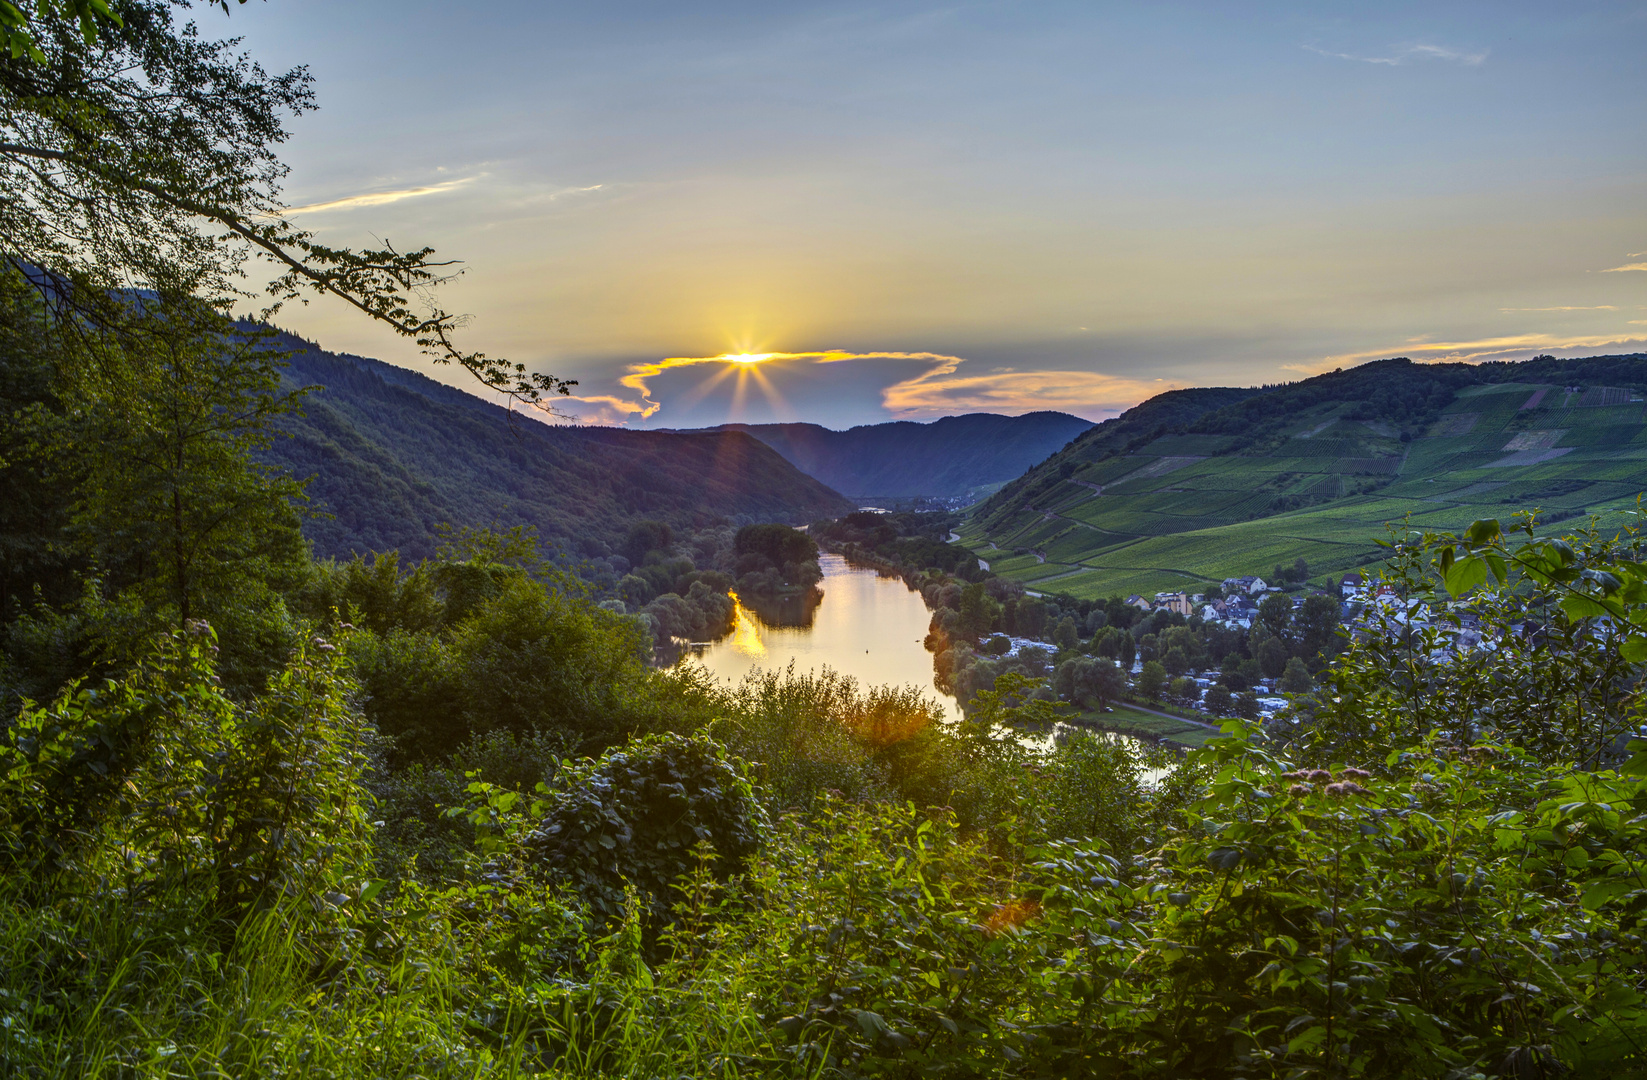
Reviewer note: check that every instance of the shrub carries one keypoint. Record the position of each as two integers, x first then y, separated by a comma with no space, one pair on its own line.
636,815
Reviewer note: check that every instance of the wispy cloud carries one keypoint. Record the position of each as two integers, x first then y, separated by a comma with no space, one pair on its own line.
1470,352
1407,54
1625,267
1090,393
380,198
1595,307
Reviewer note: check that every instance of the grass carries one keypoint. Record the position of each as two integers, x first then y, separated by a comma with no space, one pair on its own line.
1127,720
1229,514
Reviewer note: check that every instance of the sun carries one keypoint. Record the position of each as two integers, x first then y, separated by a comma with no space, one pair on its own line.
746,357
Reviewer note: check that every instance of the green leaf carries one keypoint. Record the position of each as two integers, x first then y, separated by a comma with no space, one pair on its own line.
1465,575
1576,606
1483,531
1604,891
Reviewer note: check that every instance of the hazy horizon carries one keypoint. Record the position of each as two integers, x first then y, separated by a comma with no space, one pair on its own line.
979,208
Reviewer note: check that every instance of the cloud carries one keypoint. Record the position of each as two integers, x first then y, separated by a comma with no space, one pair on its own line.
936,391
1403,56
638,377
380,198
940,392
1597,307
1469,352
1625,267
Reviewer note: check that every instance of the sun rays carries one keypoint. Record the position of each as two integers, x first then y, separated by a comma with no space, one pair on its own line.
745,367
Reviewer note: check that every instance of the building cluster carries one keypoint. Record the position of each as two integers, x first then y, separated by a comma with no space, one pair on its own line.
1236,608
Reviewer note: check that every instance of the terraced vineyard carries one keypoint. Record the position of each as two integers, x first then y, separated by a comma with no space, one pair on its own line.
1318,470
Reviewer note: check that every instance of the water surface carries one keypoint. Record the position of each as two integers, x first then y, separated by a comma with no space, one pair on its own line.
866,626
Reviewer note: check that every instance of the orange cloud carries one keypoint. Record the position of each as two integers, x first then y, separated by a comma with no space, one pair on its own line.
638,375
936,391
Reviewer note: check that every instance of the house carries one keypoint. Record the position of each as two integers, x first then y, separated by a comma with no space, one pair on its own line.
1175,601
1251,586
1351,585
1138,602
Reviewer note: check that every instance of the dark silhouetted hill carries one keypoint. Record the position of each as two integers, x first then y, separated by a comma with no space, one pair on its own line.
946,457
395,454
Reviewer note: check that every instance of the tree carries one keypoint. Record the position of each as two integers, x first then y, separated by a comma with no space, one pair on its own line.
1272,658
1089,681
979,611
1246,705
1032,616
1316,624
1175,661
1184,689
776,542
1151,680
1275,613
176,402
644,538
1064,635
1296,679
1218,700
136,152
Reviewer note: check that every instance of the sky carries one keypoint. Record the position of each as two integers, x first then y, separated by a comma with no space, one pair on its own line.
906,211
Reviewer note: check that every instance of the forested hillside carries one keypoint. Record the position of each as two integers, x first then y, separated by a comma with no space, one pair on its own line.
947,457
394,454
1168,496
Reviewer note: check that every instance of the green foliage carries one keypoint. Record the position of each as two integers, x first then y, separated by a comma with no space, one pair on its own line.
636,816
1564,617
536,658
777,543
1152,679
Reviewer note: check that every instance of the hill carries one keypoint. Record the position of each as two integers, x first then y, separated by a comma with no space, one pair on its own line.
395,454
902,459
1197,485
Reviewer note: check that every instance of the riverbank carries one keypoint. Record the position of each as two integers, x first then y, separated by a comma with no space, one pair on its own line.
1145,723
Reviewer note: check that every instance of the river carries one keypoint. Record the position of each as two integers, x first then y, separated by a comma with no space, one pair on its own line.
867,626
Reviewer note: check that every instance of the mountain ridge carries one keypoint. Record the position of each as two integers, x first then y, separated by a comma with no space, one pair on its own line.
948,457
394,455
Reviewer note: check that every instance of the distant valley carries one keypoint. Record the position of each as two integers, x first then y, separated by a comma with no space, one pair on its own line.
945,458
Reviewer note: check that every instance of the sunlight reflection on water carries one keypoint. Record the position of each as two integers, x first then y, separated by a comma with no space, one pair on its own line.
866,626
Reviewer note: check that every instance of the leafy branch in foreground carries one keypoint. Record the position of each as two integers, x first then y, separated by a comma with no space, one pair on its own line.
133,152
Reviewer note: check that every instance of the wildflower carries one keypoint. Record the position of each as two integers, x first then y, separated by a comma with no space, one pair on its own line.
1319,776
1300,789
1354,774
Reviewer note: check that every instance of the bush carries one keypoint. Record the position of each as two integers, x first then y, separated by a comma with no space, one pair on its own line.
636,816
